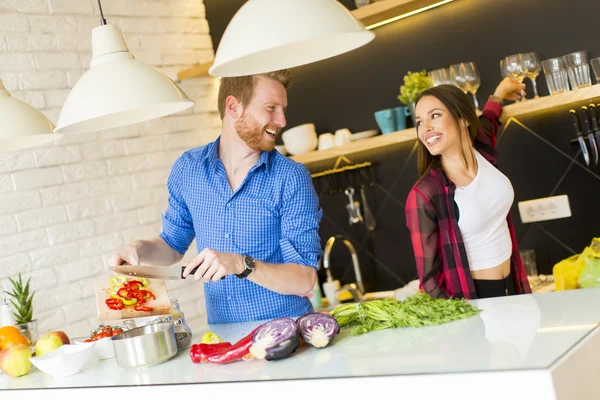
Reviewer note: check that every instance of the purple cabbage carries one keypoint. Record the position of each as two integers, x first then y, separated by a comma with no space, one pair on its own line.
275,339
318,329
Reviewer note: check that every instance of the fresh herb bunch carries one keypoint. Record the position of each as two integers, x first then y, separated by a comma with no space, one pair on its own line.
414,83
22,300
417,310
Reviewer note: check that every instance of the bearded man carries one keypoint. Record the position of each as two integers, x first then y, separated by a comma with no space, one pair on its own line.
254,213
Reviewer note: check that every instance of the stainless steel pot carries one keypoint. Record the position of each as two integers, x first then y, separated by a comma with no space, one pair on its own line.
145,346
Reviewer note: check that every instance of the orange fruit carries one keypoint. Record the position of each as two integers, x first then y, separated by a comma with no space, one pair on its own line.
9,330
10,337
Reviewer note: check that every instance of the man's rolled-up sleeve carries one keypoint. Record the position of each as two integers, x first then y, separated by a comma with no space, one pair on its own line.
300,218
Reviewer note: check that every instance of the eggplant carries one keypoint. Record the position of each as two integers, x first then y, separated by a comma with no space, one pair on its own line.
275,339
318,329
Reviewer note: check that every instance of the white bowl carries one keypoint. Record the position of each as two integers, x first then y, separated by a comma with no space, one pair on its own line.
67,360
102,349
300,139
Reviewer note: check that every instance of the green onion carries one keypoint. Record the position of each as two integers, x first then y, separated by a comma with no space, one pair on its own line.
417,310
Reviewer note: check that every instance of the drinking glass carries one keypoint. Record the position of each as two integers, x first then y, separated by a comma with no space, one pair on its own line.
473,80
555,72
532,64
439,76
578,69
457,78
516,69
595,63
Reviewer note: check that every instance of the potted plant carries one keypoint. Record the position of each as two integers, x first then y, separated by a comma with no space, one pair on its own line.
22,301
414,84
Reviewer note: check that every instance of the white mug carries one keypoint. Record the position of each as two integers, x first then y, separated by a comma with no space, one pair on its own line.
326,141
342,136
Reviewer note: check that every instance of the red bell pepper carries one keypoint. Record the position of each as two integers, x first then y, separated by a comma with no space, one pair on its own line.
236,352
200,352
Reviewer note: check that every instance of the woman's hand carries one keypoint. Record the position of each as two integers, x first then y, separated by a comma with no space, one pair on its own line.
510,89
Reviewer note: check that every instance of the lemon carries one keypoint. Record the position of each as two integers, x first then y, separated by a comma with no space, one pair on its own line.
211,337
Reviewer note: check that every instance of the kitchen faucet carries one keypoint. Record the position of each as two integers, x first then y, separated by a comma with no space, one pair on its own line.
358,289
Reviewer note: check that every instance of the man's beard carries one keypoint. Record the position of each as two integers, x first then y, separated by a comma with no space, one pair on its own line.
253,134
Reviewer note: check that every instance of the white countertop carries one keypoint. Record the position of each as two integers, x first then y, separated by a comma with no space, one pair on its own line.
527,332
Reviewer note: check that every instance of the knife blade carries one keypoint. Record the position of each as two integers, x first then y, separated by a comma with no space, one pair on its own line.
151,272
589,132
584,150
595,126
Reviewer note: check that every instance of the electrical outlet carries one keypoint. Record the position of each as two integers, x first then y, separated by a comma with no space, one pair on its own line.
544,209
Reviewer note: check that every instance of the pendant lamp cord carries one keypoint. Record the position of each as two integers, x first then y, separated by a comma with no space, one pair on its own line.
102,20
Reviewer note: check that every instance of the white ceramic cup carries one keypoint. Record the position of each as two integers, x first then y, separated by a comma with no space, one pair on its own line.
342,136
326,141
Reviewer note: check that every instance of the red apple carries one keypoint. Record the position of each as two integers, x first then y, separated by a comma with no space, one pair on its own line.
61,335
14,361
50,342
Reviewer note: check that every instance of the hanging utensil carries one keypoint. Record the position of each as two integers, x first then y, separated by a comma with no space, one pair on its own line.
589,132
353,207
369,218
584,150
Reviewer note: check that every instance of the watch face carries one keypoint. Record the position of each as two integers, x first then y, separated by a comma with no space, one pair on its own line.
249,261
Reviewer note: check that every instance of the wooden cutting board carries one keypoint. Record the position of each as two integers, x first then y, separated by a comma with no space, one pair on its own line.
160,306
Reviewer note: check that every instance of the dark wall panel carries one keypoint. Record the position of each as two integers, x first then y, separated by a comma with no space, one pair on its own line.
345,91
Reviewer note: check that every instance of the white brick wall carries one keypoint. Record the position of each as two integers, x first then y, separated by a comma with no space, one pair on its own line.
66,206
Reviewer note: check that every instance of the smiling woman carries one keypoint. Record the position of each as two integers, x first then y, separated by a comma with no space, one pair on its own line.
458,213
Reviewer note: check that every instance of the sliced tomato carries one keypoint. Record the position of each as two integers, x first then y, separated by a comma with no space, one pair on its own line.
142,308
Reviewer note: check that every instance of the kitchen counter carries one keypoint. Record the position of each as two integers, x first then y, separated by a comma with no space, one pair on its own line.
517,347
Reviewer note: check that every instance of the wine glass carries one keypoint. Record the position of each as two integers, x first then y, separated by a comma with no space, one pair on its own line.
533,66
439,76
457,77
473,80
503,70
516,69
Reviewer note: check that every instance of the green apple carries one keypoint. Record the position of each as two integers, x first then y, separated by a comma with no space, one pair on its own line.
47,343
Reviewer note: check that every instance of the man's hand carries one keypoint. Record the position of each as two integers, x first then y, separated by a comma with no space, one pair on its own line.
214,265
510,89
127,254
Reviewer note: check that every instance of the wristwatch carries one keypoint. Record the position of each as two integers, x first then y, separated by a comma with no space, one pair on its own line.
249,263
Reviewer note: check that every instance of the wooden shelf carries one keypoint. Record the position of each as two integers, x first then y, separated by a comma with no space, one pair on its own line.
198,71
371,143
547,102
384,10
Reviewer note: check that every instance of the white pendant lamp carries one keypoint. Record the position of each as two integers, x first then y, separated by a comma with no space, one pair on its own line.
268,35
21,125
118,90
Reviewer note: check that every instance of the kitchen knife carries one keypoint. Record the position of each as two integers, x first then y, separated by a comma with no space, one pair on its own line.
595,126
151,272
584,150
589,132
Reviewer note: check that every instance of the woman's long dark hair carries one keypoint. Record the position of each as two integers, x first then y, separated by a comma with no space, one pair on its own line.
459,105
